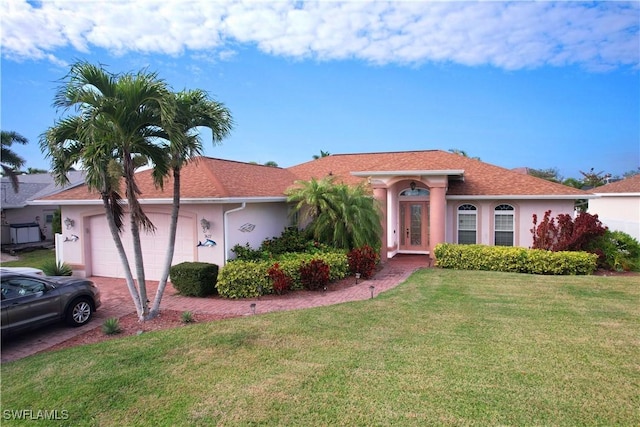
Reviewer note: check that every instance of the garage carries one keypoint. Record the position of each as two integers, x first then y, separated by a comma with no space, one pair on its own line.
104,256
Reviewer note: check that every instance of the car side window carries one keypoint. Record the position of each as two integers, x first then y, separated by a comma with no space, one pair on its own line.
9,290
18,287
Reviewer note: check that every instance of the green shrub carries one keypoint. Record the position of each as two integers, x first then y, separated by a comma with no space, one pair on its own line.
244,279
617,251
513,259
246,253
194,278
248,279
291,240
111,326
54,268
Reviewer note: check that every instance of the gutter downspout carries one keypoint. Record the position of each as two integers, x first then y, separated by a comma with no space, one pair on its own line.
226,229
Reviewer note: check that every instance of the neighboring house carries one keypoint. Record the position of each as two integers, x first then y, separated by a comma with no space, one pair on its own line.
22,221
618,205
426,197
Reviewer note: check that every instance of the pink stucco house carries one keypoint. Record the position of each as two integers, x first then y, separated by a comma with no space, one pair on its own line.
427,197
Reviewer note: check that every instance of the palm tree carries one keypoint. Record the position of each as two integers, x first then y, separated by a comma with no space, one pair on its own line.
462,153
311,197
352,219
322,154
118,122
194,109
340,215
10,160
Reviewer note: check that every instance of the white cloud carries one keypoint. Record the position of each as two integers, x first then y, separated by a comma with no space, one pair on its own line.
507,35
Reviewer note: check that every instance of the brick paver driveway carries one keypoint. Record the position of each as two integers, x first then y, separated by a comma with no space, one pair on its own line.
116,302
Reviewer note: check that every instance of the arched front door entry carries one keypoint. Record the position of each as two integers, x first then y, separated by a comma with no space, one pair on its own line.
413,216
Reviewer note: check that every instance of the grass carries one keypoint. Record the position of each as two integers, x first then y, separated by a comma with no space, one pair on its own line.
34,259
445,348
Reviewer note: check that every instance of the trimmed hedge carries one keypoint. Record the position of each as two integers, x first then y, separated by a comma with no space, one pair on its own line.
248,279
514,259
196,279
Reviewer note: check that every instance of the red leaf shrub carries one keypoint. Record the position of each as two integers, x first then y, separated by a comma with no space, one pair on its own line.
563,233
314,274
281,281
363,260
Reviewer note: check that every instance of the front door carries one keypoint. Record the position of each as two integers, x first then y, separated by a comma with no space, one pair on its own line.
414,226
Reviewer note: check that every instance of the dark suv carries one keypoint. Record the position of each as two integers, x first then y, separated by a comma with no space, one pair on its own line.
30,301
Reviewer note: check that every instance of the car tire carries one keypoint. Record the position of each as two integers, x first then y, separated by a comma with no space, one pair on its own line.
79,312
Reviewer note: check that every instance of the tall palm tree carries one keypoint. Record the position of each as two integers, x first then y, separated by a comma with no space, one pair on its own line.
10,160
194,109
118,122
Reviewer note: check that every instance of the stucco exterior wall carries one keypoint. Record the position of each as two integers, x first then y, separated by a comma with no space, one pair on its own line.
91,230
618,212
254,223
523,216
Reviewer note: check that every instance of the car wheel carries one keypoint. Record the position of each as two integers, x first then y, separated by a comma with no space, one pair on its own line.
79,312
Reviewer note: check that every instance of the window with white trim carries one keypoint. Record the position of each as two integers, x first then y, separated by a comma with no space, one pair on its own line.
467,224
503,221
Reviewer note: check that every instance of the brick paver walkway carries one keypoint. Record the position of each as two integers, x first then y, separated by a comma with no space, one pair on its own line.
116,302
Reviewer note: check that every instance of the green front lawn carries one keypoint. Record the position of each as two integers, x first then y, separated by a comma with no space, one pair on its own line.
445,348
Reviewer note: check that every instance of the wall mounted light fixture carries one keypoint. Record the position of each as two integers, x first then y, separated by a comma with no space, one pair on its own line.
413,185
206,225
69,223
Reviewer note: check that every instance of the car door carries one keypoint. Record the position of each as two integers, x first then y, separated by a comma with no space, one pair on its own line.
29,302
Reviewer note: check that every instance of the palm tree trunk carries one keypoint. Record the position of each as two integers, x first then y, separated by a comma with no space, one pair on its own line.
115,234
142,287
137,217
155,309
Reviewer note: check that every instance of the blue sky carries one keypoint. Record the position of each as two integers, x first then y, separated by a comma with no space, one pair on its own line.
537,84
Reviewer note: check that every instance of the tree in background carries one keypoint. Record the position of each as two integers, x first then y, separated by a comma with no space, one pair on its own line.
595,179
631,173
322,154
551,174
462,153
11,162
35,171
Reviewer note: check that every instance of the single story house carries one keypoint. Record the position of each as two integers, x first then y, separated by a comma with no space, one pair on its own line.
22,221
426,197
618,205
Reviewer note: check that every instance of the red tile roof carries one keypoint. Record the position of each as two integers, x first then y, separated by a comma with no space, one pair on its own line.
628,185
206,178
216,178
480,179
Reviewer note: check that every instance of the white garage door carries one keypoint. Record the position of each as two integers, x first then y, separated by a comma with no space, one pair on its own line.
105,259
